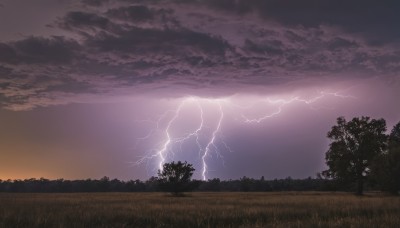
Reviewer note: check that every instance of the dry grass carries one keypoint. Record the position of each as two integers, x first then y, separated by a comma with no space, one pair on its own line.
198,210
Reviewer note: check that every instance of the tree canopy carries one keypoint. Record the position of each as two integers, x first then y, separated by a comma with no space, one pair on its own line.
353,147
175,177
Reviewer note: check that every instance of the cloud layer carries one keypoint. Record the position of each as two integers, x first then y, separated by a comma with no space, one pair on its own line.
106,48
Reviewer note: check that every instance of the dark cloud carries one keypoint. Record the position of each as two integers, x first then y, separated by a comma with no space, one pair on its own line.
378,19
38,50
208,44
200,61
63,84
95,2
55,50
7,53
135,13
340,43
84,20
4,71
159,41
272,47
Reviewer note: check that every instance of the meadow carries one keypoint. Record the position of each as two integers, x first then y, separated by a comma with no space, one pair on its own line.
284,209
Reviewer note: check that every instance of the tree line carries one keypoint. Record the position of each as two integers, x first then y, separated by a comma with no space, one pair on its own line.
105,184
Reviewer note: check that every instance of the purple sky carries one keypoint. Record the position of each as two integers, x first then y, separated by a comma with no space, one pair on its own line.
238,88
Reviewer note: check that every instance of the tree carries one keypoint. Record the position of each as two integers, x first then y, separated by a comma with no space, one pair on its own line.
386,168
175,177
353,147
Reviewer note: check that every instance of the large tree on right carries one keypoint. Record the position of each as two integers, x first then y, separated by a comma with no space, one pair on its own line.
354,145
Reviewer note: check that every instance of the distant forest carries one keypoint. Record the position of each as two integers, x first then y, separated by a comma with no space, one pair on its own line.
106,184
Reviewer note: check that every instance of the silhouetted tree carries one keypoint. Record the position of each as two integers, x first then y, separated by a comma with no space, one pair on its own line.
354,146
386,169
152,184
175,177
212,185
245,184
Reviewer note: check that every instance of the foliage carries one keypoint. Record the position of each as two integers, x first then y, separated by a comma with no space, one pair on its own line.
354,146
175,177
386,169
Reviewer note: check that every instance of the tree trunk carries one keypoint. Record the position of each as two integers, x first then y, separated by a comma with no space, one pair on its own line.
360,186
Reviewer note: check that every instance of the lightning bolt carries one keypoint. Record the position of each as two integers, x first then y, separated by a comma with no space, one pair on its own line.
162,152
208,141
212,143
166,148
196,133
283,102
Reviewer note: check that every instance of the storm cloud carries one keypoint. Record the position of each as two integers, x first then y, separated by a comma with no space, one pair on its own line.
114,48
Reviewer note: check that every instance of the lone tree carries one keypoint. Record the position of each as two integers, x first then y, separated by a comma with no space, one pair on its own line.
353,147
175,177
386,168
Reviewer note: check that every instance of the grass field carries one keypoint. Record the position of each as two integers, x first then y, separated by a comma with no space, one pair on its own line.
287,209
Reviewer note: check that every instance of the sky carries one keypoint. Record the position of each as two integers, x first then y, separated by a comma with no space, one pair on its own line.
237,88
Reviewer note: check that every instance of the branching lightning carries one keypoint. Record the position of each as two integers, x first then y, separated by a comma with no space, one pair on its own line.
207,134
283,102
164,149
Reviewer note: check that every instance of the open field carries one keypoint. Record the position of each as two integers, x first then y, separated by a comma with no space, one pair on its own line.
286,209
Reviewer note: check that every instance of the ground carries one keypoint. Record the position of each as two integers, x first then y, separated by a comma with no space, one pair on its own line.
286,209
